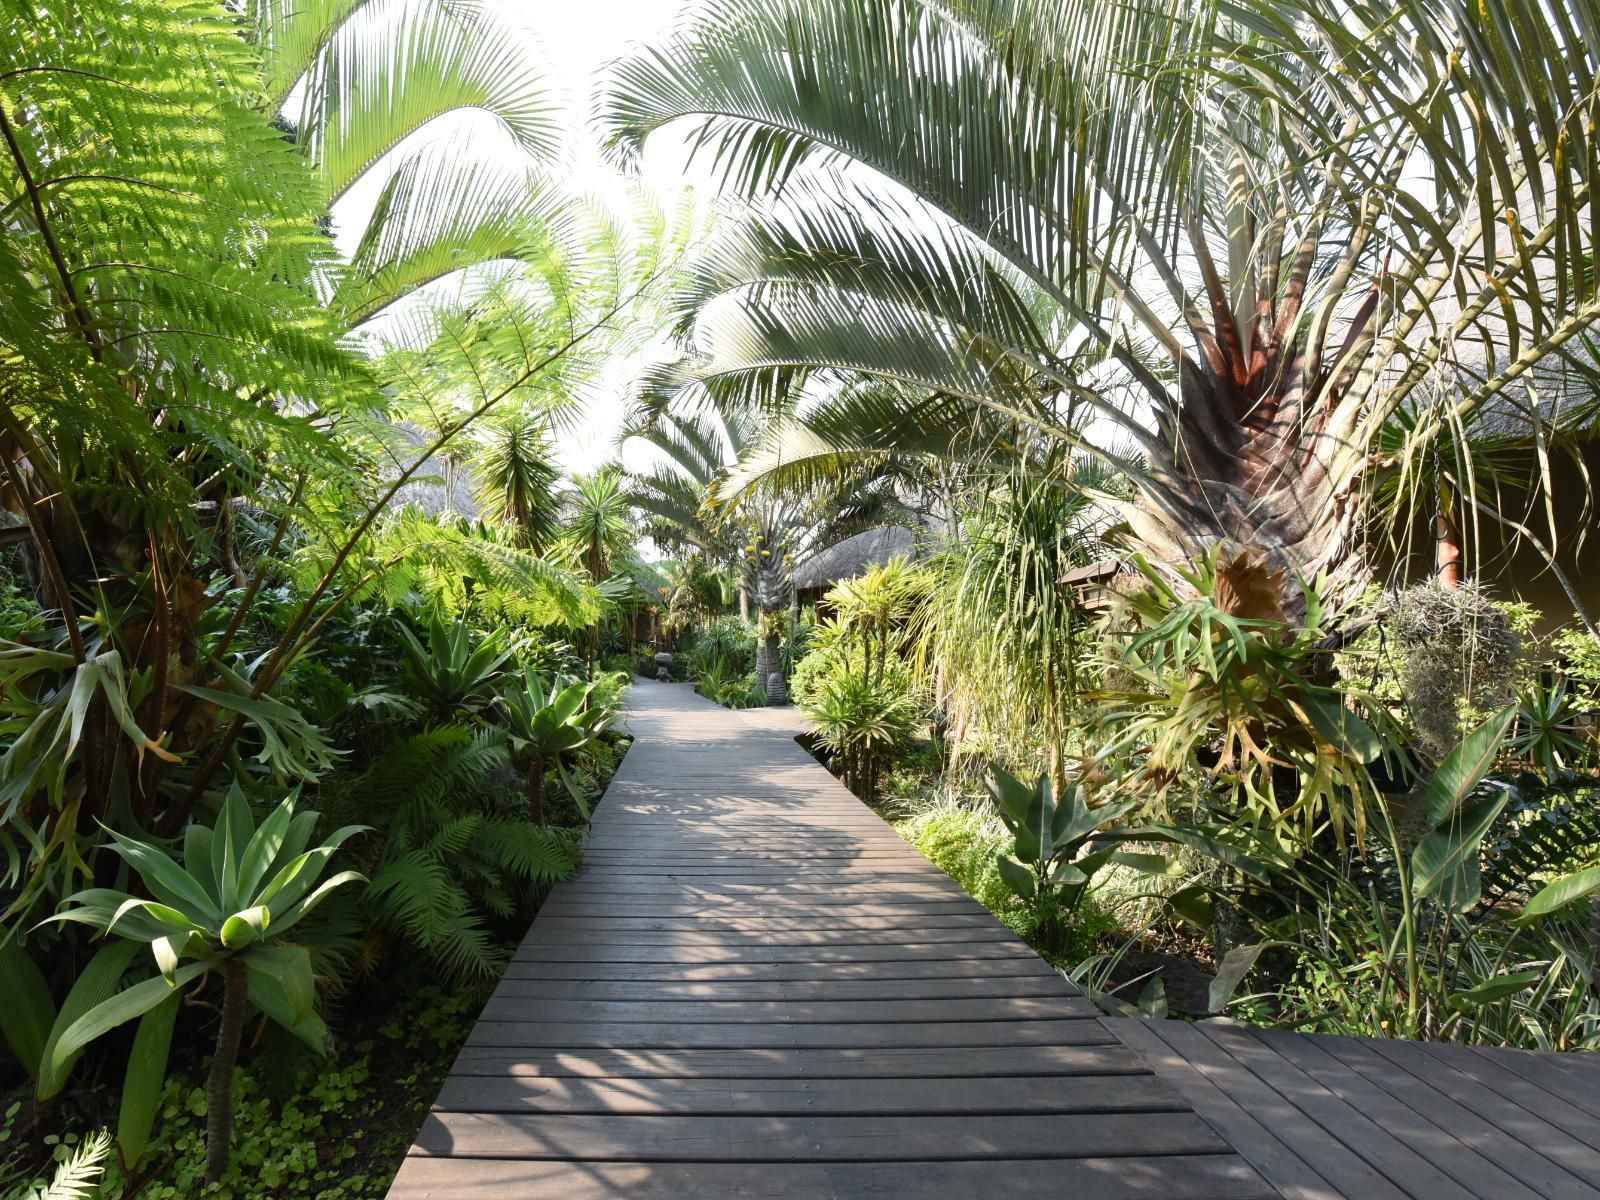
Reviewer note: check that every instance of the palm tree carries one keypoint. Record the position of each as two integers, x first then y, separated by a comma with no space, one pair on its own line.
516,473
598,531
352,81
1232,243
737,486
695,451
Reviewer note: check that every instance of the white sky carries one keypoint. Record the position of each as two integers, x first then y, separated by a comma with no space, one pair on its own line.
572,41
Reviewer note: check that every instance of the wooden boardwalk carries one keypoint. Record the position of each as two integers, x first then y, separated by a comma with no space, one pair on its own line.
755,989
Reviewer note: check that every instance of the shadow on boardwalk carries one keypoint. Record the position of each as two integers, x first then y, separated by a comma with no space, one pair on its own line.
755,989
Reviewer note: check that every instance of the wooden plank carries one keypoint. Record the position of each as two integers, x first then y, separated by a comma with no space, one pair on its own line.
1547,1073
1544,1177
534,951
807,1097
668,940
1272,1155
786,1012
863,1138
712,922
1345,1174
942,968
1340,1121
1173,1177
1416,1129
996,1062
955,988
909,912
1512,1087
1506,1114
665,1035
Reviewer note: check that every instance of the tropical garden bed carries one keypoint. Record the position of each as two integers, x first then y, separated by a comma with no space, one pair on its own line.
1223,375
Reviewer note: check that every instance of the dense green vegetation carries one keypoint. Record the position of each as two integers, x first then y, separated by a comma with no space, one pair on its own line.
1212,366
1181,329
292,749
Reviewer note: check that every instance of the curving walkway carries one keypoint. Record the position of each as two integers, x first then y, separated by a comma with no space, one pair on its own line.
755,989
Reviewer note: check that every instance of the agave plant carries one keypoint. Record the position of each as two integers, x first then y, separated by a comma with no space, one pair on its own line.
549,722
1059,847
1547,732
222,907
455,668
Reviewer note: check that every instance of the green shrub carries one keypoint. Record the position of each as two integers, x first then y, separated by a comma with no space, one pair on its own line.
728,640
965,843
862,724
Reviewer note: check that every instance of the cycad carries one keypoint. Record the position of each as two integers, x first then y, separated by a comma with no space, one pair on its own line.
451,857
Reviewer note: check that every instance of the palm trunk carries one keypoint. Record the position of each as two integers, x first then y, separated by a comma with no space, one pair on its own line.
219,1085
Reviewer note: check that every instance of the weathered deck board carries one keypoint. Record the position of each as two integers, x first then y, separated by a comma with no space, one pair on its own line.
1327,1117
755,988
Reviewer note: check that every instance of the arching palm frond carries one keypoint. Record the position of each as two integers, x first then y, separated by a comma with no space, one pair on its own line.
442,211
1274,225
392,66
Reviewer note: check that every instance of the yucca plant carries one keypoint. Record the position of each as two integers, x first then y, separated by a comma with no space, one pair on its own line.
221,907
861,723
549,722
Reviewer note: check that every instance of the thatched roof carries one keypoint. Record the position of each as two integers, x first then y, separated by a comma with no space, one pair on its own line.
847,559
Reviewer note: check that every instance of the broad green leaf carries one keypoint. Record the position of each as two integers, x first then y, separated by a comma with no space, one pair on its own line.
120,1008
26,1007
293,913
267,993
263,849
1497,987
1561,892
197,860
147,1073
97,981
1465,766
290,966
167,880
1146,864
1193,904
1016,877
1223,852
1447,859
1152,1002
245,926
1341,728
1235,965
